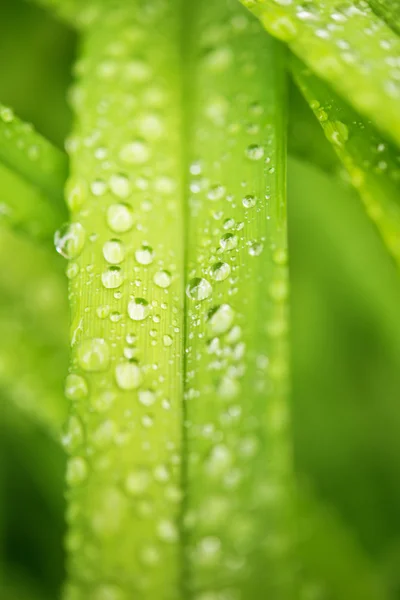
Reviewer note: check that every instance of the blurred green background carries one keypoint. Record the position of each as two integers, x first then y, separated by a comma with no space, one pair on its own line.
345,336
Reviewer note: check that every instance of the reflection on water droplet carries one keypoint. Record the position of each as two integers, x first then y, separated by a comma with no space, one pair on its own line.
69,240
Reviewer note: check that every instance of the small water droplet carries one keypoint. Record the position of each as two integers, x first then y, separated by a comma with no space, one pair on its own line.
112,278
128,375
228,241
77,471
254,152
255,249
162,279
93,355
137,482
144,255
147,397
249,201
76,387
138,309
135,153
220,271
120,218
220,319
120,186
114,252
69,240
199,289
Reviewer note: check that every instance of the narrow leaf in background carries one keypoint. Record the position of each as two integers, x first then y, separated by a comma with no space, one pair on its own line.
345,44
373,163
389,10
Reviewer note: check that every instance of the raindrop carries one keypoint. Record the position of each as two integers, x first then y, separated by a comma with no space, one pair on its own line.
249,201
77,471
228,241
135,153
93,355
76,387
162,279
147,397
112,278
144,255
120,186
254,152
220,319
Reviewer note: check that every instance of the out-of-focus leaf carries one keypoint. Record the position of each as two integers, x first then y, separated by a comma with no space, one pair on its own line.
373,163
347,45
389,10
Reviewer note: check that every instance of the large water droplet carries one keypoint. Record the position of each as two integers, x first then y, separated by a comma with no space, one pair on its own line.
120,186
69,240
76,387
228,241
199,289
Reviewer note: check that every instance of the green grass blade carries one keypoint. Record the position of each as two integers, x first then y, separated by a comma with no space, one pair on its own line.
238,460
31,156
126,293
389,10
345,44
373,163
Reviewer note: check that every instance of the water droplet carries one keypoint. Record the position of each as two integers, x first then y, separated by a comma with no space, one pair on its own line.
128,375
120,186
112,278
135,153
167,531
93,355
144,255
114,252
254,152
120,218
138,309
74,435
137,482
147,397
199,289
216,192
98,187
220,271
249,201
228,241
77,471
162,279
255,249
76,387
220,319
167,340
69,240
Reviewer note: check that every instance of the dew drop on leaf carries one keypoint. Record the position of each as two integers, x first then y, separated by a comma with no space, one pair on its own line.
120,186
120,218
144,255
77,471
135,153
199,289
220,271
69,240
220,319
228,241
138,309
128,375
76,387
93,355
162,279
114,252
112,278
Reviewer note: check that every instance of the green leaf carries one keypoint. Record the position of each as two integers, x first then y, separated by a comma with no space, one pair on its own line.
345,44
389,10
239,534
31,156
373,164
